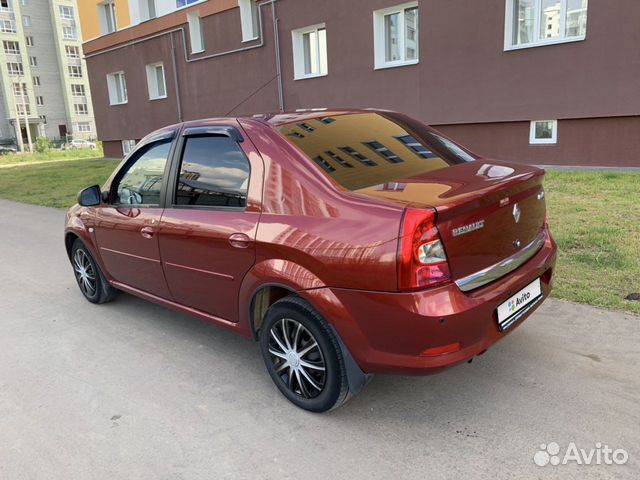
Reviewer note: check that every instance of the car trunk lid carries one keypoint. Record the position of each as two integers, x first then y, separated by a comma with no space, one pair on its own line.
486,211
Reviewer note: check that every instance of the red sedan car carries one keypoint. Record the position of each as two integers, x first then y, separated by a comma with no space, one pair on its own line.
347,243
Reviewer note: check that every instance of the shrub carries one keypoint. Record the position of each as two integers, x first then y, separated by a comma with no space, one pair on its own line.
42,145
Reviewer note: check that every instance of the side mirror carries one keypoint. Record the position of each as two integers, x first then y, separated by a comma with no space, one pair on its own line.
90,196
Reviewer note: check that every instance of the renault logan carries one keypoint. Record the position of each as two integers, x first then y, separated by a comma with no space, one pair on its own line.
347,243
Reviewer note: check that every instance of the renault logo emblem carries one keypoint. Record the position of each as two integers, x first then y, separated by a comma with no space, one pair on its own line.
516,212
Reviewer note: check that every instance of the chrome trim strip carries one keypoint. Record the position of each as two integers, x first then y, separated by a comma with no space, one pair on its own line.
500,269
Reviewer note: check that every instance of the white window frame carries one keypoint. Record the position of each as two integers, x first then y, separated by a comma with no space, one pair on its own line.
11,51
128,146
379,42
18,72
297,39
249,19
33,61
26,20
107,17
7,26
196,35
73,48
543,141
66,12
36,80
69,33
113,85
76,92
509,24
39,100
81,111
152,81
80,127
74,68
29,41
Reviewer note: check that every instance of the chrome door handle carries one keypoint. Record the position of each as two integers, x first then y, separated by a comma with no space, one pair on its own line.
147,232
239,240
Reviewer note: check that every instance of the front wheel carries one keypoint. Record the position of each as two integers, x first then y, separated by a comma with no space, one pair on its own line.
302,356
92,283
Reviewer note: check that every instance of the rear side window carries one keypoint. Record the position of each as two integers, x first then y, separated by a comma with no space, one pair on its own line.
360,150
214,172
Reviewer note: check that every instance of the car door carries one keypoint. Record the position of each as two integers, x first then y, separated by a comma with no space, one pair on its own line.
207,232
126,228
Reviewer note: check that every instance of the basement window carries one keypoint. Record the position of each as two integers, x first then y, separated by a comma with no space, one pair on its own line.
543,132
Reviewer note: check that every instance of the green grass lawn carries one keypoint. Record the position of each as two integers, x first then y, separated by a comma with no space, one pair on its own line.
594,217
50,156
53,184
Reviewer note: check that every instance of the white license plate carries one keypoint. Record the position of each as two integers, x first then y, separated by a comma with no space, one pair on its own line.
517,302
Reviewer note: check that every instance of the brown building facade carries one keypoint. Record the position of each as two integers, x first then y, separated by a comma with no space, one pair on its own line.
536,81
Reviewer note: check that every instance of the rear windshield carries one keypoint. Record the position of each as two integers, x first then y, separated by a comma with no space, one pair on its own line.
361,150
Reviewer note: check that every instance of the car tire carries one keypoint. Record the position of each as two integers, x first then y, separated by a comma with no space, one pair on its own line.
90,279
313,378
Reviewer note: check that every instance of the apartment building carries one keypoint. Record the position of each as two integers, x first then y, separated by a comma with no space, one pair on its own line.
536,81
43,81
101,17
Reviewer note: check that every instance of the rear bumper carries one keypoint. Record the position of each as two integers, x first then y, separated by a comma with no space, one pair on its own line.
386,332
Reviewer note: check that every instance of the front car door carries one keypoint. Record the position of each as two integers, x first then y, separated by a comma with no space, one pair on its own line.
126,227
207,232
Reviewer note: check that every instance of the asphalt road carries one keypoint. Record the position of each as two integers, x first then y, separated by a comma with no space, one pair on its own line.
130,390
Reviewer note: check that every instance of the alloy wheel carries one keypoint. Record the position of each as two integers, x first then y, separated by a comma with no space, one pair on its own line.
297,358
85,273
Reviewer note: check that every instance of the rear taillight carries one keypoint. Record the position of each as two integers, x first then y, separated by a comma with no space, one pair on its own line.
422,259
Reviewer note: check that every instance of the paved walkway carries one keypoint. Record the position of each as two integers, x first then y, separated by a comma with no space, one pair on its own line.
130,390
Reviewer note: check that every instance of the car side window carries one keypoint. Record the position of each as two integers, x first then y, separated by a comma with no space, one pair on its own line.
214,172
142,181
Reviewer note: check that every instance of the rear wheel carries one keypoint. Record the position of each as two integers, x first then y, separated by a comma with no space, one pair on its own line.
302,356
90,280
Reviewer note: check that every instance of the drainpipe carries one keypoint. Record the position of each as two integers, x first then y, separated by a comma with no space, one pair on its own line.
276,39
175,79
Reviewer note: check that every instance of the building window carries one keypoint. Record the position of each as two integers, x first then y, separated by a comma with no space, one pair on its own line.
156,82
128,146
543,132
84,128
249,18
15,69
66,13
19,89
11,48
195,32
5,6
326,166
29,40
81,109
117,86
72,51
531,23
310,52
26,20
184,3
23,109
7,26
36,81
77,90
75,71
107,15
33,61
69,33
39,100
147,9
396,36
